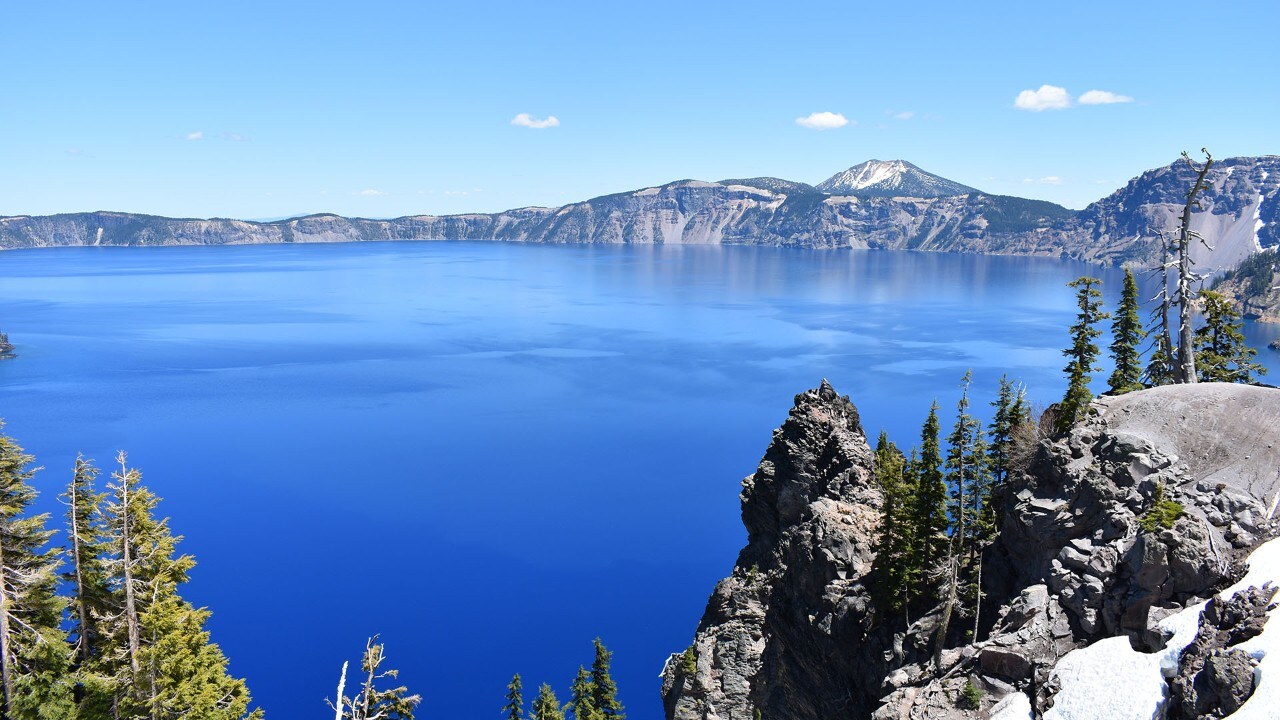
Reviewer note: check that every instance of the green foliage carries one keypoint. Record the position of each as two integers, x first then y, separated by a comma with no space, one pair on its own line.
604,691
929,509
1126,334
1005,213
156,656
966,471
895,572
1162,514
36,659
514,709
1255,272
970,696
580,695
373,702
1221,352
546,706
1083,352
689,661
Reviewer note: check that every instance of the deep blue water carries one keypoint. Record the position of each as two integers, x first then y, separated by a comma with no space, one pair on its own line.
488,453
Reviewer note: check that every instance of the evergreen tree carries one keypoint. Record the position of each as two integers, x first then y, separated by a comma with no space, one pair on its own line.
87,575
157,652
961,471
1082,353
372,703
894,571
581,699
604,692
34,660
546,706
514,709
929,509
1126,334
1221,352
1011,413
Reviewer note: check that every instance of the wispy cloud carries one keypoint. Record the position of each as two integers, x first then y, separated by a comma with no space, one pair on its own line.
371,193
529,121
77,152
1046,180
822,121
196,135
1103,97
900,114
234,137
1048,97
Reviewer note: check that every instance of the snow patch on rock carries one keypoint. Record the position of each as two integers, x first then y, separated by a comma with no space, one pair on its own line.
1110,679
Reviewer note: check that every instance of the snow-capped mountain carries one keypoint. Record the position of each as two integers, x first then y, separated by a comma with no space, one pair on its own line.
891,178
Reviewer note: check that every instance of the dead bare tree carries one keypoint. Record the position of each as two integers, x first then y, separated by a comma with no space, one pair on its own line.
1160,370
1186,337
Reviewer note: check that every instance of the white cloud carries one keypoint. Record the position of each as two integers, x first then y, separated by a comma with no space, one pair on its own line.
529,121
197,135
823,121
1047,180
1103,97
903,115
1048,97
371,193
234,137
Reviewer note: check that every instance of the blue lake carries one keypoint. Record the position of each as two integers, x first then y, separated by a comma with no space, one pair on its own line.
488,453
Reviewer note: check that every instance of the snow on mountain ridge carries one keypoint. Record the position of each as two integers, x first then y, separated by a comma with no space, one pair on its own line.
891,178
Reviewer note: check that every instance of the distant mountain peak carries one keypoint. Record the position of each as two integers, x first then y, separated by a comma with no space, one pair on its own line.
891,178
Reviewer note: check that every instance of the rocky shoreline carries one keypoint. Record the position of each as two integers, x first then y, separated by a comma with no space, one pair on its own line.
1077,592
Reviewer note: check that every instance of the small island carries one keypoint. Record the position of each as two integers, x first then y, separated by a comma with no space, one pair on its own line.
6,347
1274,345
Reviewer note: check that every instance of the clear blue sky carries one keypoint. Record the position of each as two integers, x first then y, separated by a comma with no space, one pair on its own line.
264,109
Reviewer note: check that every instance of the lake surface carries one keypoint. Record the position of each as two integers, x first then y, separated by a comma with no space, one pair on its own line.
488,453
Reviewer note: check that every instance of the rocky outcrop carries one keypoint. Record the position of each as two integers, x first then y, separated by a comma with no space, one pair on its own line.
1214,677
787,633
1075,578
872,206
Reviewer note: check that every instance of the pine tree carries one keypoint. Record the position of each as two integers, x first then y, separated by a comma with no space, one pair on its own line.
87,575
34,660
961,471
581,699
929,509
604,692
1082,353
372,703
1221,352
514,709
894,571
158,653
546,706
1126,334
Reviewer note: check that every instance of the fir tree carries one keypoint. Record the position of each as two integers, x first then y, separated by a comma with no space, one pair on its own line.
604,692
372,703
929,509
159,657
34,660
894,571
1082,353
514,709
1221,352
962,472
546,706
1126,334
1011,413
581,699
87,575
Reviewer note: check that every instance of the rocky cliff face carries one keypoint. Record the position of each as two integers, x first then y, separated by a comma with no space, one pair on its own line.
1076,588
878,205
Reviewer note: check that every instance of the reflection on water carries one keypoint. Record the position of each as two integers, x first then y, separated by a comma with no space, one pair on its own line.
502,450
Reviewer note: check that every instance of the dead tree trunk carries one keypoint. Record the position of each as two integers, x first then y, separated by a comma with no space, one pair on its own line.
1186,350
127,552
